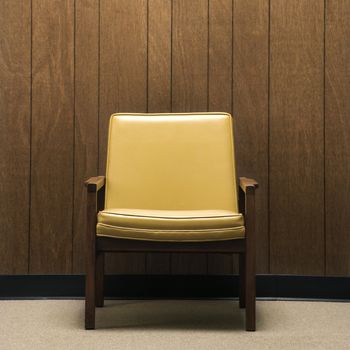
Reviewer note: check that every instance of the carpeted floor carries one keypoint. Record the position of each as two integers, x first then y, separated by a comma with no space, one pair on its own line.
169,324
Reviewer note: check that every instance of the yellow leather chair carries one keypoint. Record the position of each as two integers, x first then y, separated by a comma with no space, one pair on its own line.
170,186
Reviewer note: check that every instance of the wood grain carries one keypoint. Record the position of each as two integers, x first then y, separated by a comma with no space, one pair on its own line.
220,56
190,56
159,56
250,108
123,63
86,117
193,62
189,86
220,89
296,137
159,87
123,85
337,142
15,48
52,136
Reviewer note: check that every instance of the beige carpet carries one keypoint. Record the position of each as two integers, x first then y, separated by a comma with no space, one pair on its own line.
168,324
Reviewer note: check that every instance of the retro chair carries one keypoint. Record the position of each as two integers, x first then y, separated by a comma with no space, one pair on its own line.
170,186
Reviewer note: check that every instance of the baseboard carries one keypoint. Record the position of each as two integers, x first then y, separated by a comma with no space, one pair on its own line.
177,286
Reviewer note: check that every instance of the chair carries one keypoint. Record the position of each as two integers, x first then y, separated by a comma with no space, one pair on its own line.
170,186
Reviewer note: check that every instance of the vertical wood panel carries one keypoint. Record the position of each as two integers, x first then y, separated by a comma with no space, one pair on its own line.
296,137
190,56
86,117
250,106
220,89
159,56
189,86
159,87
15,51
52,136
337,124
123,84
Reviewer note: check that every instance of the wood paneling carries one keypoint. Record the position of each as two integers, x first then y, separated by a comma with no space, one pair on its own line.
15,48
189,87
250,108
159,55
190,56
220,88
66,65
296,137
337,137
220,56
123,84
159,87
86,117
52,136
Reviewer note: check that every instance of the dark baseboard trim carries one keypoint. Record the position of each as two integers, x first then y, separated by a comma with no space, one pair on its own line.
177,286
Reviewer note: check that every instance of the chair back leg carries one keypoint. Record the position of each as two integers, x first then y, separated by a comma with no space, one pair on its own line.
250,268
250,292
100,261
90,294
242,280
90,281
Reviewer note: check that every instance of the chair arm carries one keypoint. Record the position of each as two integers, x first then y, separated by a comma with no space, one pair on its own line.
247,184
247,208
95,197
246,198
96,192
94,184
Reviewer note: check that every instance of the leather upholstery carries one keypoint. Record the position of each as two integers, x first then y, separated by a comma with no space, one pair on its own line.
171,225
171,177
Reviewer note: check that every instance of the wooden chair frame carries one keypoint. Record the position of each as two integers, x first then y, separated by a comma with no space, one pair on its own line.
97,246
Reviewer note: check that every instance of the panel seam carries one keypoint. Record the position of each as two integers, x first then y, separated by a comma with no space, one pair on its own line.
147,93
147,53
324,137
232,106
171,95
208,54
98,85
268,137
30,134
208,78
73,158
171,55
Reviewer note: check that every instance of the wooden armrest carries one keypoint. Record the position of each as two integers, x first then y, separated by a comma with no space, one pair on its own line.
94,184
247,184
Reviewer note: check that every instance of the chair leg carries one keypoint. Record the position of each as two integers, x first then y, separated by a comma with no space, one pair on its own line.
100,279
250,290
242,281
90,288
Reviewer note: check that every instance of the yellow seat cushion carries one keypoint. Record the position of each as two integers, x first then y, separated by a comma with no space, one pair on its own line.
170,225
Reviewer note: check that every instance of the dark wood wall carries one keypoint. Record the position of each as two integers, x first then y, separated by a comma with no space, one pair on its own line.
282,67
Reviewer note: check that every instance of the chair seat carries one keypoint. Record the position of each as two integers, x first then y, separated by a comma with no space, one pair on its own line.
170,225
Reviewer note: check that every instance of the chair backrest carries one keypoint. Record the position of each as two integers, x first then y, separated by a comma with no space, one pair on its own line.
174,161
